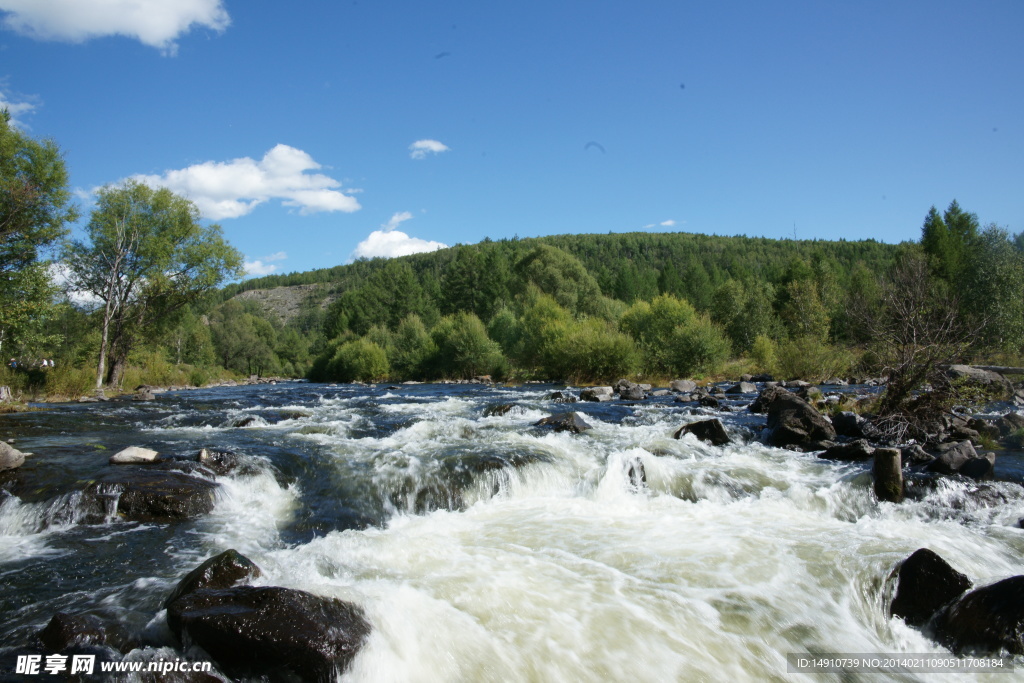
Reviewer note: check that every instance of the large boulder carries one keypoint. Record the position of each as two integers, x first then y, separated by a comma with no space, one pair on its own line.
950,457
794,422
226,570
925,583
597,394
10,457
849,423
278,633
630,391
154,496
980,468
72,630
986,620
742,388
711,431
683,386
1009,423
134,455
764,399
855,451
565,422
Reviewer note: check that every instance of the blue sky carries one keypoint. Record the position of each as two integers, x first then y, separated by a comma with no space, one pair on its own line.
316,131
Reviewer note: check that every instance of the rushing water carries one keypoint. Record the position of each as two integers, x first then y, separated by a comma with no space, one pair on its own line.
485,549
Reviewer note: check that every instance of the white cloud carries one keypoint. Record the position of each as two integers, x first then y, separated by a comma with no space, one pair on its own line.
265,265
421,148
157,23
258,267
396,220
234,188
667,224
391,243
16,108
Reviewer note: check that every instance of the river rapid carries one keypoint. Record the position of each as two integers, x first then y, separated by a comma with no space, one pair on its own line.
483,548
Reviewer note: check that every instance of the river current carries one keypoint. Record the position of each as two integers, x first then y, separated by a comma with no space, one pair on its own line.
483,548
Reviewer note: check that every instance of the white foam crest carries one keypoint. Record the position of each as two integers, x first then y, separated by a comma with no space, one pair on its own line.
23,530
249,512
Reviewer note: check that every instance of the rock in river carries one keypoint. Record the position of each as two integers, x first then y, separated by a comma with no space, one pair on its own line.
270,631
154,496
925,584
986,620
133,455
565,422
792,421
711,431
226,570
10,457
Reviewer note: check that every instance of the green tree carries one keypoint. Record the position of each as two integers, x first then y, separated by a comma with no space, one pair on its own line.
948,241
562,276
35,206
147,256
463,348
993,289
412,349
359,361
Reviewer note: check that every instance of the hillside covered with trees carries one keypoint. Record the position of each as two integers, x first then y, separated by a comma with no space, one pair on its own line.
140,300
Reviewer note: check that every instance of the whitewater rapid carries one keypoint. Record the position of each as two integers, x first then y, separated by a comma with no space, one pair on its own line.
483,548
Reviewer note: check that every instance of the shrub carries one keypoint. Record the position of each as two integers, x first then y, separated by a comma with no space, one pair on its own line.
765,354
811,358
591,351
360,360
463,348
700,347
412,349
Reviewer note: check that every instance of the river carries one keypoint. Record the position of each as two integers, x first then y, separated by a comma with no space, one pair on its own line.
483,548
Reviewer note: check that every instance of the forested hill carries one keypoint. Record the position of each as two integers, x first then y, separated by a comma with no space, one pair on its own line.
626,266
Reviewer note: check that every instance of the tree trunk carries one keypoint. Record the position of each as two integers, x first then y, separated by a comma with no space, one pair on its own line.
104,342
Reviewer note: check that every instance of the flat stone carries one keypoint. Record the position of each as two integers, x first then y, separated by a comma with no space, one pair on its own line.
134,455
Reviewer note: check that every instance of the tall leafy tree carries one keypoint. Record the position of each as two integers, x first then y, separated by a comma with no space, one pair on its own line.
146,257
35,206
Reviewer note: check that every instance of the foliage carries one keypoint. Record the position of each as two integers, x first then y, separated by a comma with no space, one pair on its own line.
412,349
765,354
463,348
993,289
560,275
359,361
812,359
653,325
697,348
147,256
35,206
593,350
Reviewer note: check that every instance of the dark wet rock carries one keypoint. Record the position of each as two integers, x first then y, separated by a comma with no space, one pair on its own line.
597,394
244,421
683,386
72,630
637,474
153,496
10,458
709,402
848,423
561,397
134,455
915,455
226,570
499,409
986,428
1010,423
950,457
684,398
792,421
564,422
925,584
711,431
630,391
985,620
979,468
144,396
741,388
219,462
299,414
270,631
854,451
764,399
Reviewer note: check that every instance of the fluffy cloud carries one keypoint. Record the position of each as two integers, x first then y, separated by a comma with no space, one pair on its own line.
157,23
16,109
234,188
264,266
389,242
667,224
421,148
